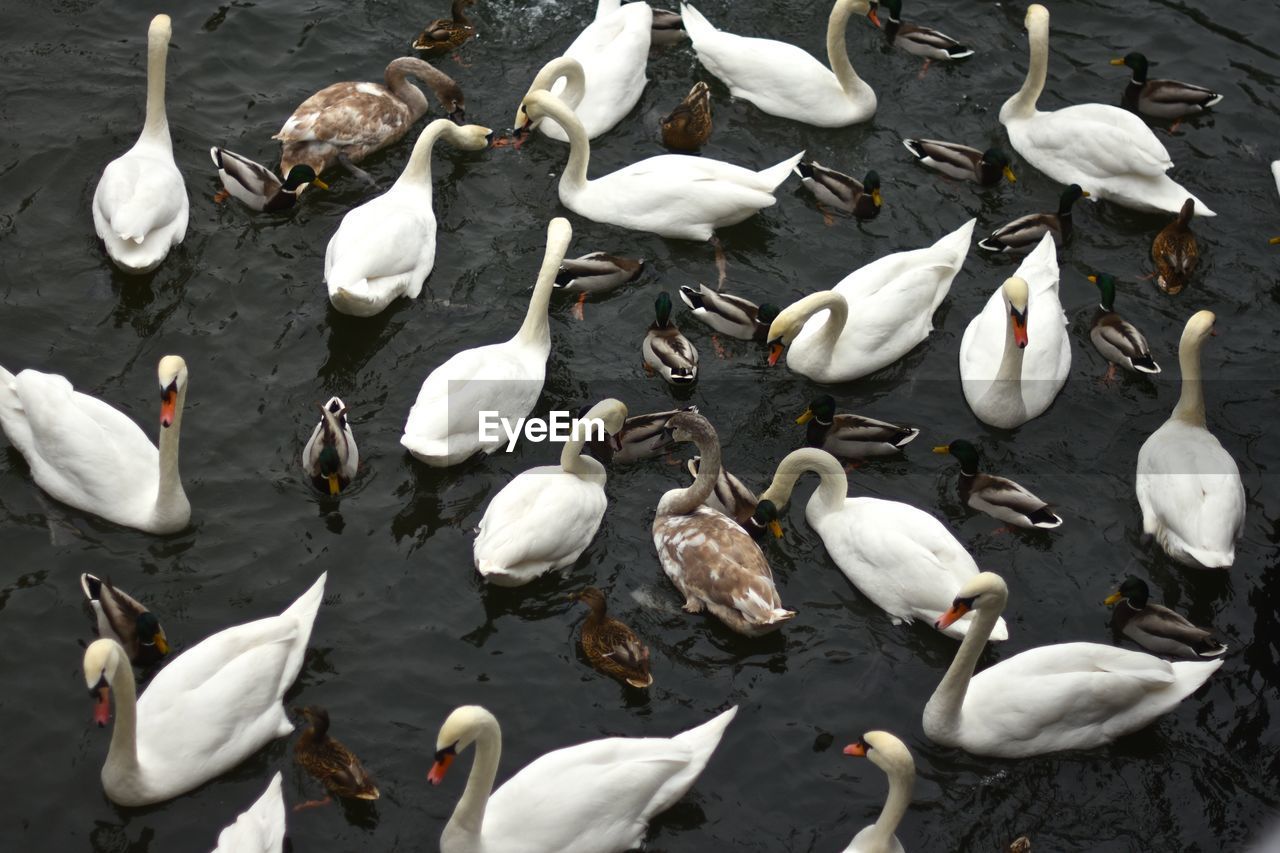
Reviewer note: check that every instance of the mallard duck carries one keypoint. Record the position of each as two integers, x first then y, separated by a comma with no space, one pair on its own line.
547,516
671,195
1117,339
346,122
1021,844
1162,98
90,455
998,497
732,497
1188,486
610,646
714,563
595,273
892,299
668,28
851,436
331,458
256,185
386,247
728,314
1107,150
1063,696
122,618
232,683
328,759
1015,355
503,379
1157,628
1175,251
606,791
892,756
642,437
140,205
1024,233
688,126
921,41
841,192
666,350
444,35
259,828
900,557
783,80
962,162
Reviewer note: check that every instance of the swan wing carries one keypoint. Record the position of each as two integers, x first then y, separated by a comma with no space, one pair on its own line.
346,115
1099,141
260,828
390,236
141,192
542,518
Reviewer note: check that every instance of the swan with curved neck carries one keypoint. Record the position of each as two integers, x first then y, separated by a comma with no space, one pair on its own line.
1108,151
783,80
712,560
900,557
1188,485
386,247
672,195
504,379
1051,698
140,205
513,546
873,317
892,756
607,790
231,682
91,456
1015,356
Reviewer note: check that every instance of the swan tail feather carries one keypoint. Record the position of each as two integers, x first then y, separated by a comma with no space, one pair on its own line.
775,175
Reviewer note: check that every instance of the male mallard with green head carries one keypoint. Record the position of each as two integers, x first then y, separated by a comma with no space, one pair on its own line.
1117,339
666,350
1157,628
998,497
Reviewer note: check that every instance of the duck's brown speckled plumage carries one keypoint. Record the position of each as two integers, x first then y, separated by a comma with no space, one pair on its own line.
445,34
329,760
610,646
688,126
1175,252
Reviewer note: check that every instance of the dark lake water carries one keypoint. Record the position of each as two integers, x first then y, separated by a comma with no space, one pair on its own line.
407,631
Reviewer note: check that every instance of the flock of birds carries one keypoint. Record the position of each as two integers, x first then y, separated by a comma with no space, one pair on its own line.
219,701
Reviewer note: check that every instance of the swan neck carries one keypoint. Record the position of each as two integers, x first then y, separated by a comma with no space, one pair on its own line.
830,332
156,127
833,486
536,330
686,500
949,697
1010,369
571,458
170,497
838,48
574,178
122,755
418,169
901,781
1023,104
1190,406
469,813
396,78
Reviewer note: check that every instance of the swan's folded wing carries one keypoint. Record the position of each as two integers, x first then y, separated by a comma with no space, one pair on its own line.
260,828
656,194
1101,141
139,194
543,515
379,239
1193,485
345,114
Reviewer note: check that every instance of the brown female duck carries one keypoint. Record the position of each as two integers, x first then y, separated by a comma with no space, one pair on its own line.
1175,251
610,646
446,34
329,760
688,126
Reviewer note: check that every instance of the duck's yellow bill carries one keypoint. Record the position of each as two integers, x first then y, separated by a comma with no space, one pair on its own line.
334,486
162,643
942,448
316,182
776,529
1008,173
877,198
1117,62
1092,278
1113,598
1274,241
806,417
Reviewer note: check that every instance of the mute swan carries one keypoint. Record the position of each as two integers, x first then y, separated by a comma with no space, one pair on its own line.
443,427
122,618
140,205
1106,150
209,709
346,122
783,80
610,646
386,247
1051,698
1188,486
708,556
331,458
1156,627
1015,355
999,497
672,195
605,791
900,557
601,76
260,828
91,456
547,516
256,186
873,317
892,756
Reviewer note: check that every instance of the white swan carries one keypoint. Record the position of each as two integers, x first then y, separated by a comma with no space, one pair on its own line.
260,828
873,317
892,756
1188,486
209,709
1016,354
443,427
596,797
672,195
783,80
606,75
386,247
547,516
900,557
1064,696
1108,151
91,456
140,206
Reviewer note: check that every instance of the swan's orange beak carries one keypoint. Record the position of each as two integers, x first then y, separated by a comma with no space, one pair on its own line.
168,405
1019,322
101,705
775,352
443,759
859,749
875,19
946,620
